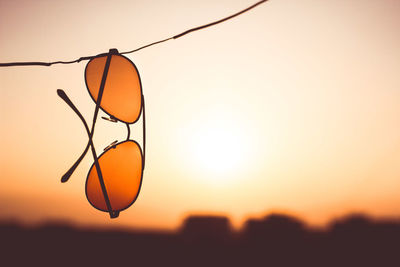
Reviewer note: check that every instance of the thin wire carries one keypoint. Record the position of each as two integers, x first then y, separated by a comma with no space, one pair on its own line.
47,64
218,21
140,48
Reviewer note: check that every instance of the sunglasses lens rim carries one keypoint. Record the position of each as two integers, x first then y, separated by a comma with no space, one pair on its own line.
98,159
101,107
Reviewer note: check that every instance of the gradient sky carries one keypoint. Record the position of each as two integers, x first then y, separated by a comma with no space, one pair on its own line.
293,106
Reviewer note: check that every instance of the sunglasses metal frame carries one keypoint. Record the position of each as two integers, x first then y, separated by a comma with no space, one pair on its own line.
66,176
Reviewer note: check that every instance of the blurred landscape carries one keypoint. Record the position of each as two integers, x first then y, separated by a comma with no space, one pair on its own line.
275,240
283,119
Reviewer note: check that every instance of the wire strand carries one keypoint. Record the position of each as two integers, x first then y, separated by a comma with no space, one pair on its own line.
47,64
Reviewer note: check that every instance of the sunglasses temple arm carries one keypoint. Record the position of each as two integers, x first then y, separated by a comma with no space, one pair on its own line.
64,97
68,174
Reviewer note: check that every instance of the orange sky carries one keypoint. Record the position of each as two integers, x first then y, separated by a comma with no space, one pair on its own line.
293,106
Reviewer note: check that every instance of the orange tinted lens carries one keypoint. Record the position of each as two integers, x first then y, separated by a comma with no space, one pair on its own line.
121,168
122,92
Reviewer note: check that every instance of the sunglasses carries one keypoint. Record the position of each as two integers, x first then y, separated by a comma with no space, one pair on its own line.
114,180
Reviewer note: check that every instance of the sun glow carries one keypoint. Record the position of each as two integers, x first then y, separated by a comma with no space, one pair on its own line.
217,150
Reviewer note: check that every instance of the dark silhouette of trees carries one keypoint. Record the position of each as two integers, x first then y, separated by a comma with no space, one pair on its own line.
275,240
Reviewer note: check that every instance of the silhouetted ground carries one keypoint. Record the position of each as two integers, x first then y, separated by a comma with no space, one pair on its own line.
276,240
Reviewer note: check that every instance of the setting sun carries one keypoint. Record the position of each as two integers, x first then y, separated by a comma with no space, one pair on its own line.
217,148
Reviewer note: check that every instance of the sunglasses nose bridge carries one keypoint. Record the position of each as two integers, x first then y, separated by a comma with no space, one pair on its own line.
129,131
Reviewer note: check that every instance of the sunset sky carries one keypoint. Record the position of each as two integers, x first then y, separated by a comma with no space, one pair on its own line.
292,107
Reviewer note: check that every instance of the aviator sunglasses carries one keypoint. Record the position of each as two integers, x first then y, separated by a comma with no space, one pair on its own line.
114,180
